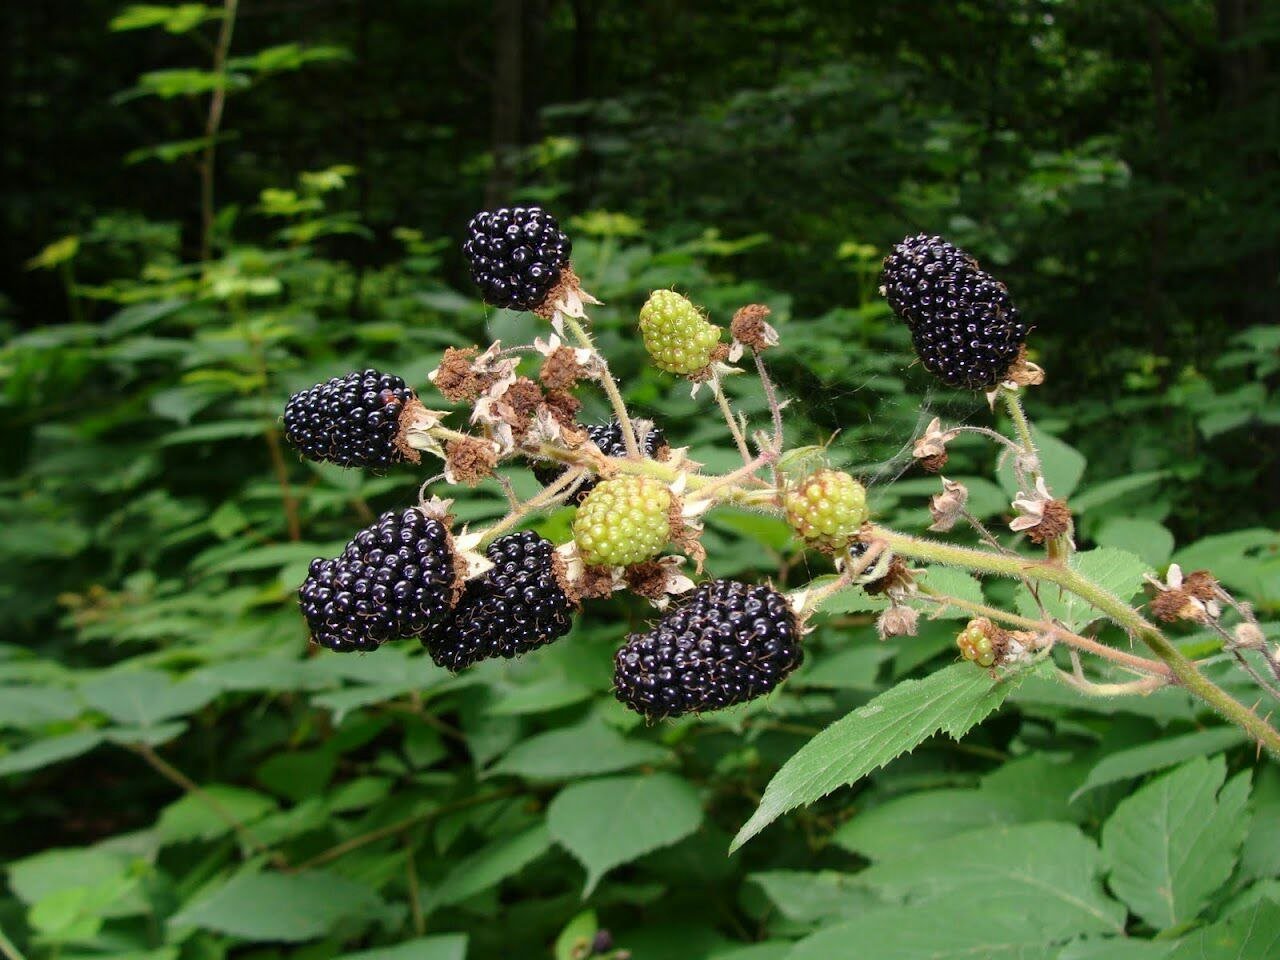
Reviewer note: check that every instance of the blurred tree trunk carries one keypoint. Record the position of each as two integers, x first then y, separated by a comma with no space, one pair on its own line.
1157,251
1243,74
507,99
586,17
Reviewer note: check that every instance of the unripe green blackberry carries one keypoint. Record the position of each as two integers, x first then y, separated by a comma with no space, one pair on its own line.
727,643
975,643
676,334
623,521
964,327
352,421
826,509
395,578
608,439
518,605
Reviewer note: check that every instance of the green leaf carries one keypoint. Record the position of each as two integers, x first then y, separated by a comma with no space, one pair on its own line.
1102,493
809,898
1144,538
490,866
605,823
279,906
854,668
954,583
936,931
41,753
1139,761
1114,570
1248,935
590,748
106,877
1174,842
195,816
916,821
1117,948
1260,853
37,705
951,700
449,946
142,698
574,941
1047,872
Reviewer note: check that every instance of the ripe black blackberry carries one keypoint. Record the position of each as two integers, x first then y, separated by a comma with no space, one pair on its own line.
352,421
608,437
516,255
517,606
396,578
964,327
728,643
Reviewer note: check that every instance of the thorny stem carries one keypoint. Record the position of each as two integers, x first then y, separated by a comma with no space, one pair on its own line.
609,384
551,495
1126,660
990,434
735,428
1184,670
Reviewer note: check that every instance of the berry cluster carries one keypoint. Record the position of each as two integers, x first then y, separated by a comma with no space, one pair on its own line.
608,440
516,255
395,578
352,421
964,327
623,521
826,509
728,643
519,604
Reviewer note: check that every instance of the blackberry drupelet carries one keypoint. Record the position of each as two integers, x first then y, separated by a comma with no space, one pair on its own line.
516,255
964,327
729,643
517,606
608,438
396,578
352,421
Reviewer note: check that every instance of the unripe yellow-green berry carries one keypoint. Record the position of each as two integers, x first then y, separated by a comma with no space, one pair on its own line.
975,643
623,521
826,509
676,334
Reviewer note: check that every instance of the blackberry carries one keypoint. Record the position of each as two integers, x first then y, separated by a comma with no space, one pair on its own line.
964,327
516,255
517,606
608,438
728,643
352,421
395,578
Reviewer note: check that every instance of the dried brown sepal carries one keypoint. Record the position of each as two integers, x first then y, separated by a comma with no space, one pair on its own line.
596,583
563,406
648,579
1055,520
469,461
898,576
517,406
561,370
686,536
567,285
455,378
1023,372
934,462
897,621
1200,584
750,327
718,355
560,570
1173,605
412,412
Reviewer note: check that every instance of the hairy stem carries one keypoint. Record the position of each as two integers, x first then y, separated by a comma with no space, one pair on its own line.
551,496
735,428
1184,671
609,384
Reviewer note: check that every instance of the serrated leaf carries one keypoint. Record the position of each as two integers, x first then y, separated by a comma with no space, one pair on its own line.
1143,538
953,583
1174,842
937,931
1116,571
1139,761
279,906
609,822
1098,494
490,866
54,872
951,700
916,821
854,668
142,698
1248,935
1048,872
580,751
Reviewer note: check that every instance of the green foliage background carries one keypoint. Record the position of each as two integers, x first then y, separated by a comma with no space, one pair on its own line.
182,781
